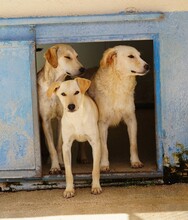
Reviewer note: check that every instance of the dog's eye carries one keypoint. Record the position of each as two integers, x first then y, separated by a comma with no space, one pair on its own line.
76,93
63,94
131,56
67,57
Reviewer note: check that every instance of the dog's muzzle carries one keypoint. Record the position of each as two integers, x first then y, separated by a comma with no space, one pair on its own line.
146,70
80,73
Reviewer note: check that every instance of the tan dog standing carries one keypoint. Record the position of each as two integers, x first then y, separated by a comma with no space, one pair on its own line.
61,60
113,91
79,122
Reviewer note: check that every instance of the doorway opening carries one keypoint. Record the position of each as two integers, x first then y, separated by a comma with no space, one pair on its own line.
90,54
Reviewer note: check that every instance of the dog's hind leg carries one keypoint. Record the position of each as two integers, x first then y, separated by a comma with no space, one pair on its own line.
47,127
131,122
59,145
103,130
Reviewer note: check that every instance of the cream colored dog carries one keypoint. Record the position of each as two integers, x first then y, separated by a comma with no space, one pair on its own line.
79,122
113,90
60,60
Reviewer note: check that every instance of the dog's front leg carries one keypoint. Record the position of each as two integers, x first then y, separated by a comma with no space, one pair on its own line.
69,191
103,131
96,150
47,127
131,122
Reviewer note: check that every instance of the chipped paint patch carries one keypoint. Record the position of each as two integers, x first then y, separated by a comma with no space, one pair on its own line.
16,150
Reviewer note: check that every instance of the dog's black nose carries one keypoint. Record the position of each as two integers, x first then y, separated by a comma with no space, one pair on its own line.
82,70
146,67
71,107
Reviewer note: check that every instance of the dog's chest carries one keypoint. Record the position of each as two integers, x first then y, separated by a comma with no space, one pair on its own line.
49,107
117,98
81,137
53,107
76,127
56,107
78,132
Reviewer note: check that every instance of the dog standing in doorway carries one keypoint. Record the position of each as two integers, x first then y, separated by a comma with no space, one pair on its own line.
112,89
61,60
79,122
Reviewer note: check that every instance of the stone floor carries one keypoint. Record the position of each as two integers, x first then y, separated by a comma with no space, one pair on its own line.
127,203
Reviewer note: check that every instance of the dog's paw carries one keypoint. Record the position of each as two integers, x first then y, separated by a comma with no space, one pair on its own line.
55,171
105,169
96,190
137,164
69,193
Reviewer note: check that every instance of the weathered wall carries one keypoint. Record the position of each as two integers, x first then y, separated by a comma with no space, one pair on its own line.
169,31
27,8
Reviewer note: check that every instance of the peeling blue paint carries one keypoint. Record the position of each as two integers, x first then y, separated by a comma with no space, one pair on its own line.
3,152
22,146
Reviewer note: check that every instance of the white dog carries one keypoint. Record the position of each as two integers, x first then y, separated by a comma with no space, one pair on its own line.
61,60
113,91
79,122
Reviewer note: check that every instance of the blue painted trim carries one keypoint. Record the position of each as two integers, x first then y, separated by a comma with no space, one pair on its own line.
98,38
17,33
158,123
37,149
121,17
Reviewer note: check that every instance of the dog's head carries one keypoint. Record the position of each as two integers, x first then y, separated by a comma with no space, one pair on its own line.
64,59
124,59
70,92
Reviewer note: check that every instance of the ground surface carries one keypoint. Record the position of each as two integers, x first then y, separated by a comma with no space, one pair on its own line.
132,203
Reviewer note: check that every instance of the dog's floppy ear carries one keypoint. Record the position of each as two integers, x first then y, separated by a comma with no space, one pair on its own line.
51,56
83,84
54,86
108,57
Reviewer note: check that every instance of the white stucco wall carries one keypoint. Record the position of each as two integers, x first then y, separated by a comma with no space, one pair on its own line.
33,8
